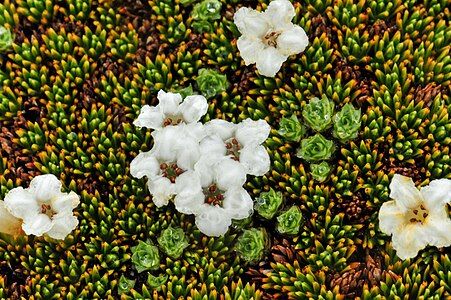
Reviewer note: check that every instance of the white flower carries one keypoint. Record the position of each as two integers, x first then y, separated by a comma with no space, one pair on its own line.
172,111
174,152
242,142
43,208
214,194
269,37
416,218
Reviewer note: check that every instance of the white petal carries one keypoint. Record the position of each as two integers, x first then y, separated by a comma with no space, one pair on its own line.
225,130
8,223
169,103
213,220
252,133
238,203
188,155
21,203
212,146
410,240
437,193
391,217
205,171
403,190
65,202
292,41
167,142
162,190
149,117
269,61
196,131
249,49
251,22
280,12
63,224
439,231
255,159
144,164
193,108
229,173
45,187
37,225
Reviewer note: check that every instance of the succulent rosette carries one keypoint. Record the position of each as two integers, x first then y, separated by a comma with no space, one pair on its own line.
251,245
6,39
347,123
321,171
210,82
316,148
173,241
318,113
291,129
268,203
290,221
145,257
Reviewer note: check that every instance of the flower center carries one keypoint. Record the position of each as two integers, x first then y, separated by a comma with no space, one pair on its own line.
418,215
170,171
47,210
233,148
172,120
270,38
213,195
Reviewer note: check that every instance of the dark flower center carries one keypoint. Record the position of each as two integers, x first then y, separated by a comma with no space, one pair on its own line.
233,148
270,38
172,120
47,210
170,171
213,195
418,215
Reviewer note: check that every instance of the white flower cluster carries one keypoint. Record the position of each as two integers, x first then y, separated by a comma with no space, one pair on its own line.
39,209
201,167
269,38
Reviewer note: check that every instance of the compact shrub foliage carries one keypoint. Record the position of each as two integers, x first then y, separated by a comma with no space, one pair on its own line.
346,95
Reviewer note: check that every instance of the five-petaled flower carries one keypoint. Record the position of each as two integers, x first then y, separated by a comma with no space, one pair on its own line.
41,209
269,38
416,218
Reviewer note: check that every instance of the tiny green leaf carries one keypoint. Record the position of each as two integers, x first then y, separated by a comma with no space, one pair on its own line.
290,221
251,245
291,129
173,241
210,82
347,123
268,203
316,148
145,257
320,171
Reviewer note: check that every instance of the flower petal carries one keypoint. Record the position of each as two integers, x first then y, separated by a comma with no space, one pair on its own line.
249,49
280,12
169,103
45,187
437,194
212,146
8,223
213,220
225,130
193,108
439,231
229,173
238,203
255,159
250,22
167,142
252,133
403,190
204,169
292,41
144,164
188,155
65,202
410,240
391,217
63,224
149,117
21,203
162,190
37,224
269,61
